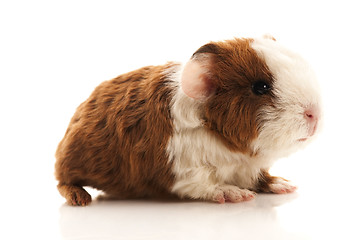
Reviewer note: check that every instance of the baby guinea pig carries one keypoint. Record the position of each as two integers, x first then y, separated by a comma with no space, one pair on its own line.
209,129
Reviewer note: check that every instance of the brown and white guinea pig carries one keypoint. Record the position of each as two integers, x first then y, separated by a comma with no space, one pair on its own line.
209,129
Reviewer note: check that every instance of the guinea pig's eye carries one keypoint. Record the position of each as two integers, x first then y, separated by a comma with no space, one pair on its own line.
260,87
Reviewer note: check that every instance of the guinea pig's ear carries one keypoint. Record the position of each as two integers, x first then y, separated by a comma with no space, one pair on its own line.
196,79
269,36
210,48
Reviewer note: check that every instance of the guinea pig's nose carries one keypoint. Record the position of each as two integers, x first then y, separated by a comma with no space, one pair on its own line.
312,115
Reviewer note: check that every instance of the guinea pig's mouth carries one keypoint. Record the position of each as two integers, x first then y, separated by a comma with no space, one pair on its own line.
302,139
311,131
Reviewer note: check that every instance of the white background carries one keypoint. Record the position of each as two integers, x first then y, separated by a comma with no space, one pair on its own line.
53,54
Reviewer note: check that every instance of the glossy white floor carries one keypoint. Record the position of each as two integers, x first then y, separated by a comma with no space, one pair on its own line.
54,54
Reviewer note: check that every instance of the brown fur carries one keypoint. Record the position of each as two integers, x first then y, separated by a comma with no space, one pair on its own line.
117,138
231,113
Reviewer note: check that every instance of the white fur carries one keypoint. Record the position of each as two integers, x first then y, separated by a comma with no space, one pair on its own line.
296,89
204,167
202,164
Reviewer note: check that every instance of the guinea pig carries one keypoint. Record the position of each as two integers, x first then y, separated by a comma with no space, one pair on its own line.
209,129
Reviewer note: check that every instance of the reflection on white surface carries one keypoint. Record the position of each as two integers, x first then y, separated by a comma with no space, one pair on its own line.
140,219
269,216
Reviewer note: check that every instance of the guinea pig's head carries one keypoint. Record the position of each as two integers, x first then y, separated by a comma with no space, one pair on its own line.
256,96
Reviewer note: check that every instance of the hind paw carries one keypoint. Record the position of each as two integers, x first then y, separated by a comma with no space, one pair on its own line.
74,195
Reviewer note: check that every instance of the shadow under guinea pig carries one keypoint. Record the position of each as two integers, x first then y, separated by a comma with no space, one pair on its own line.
150,219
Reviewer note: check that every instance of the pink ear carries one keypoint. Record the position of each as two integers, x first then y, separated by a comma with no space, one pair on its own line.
196,80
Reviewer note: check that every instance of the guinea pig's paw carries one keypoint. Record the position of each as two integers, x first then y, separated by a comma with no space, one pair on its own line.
232,194
75,196
80,198
281,186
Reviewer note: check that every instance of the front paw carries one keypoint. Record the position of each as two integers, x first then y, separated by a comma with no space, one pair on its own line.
232,194
280,186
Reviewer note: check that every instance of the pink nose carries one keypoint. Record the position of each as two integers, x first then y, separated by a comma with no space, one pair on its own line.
312,115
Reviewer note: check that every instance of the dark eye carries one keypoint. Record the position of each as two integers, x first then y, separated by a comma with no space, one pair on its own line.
260,87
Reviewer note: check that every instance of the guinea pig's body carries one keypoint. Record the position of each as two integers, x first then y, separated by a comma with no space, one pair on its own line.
209,129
